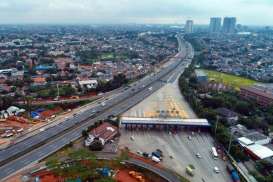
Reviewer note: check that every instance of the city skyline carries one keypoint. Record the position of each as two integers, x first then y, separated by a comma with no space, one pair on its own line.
248,12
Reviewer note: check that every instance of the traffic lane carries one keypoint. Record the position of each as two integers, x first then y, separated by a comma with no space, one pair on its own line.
51,147
204,166
203,144
35,155
46,134
164,72
181,148
185,155
39,137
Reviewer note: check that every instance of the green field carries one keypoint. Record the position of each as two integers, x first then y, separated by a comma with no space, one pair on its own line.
228,79
107,56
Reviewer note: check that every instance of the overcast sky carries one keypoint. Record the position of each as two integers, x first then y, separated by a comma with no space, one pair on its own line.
250,12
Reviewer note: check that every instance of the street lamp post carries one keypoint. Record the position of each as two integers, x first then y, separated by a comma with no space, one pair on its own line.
230,140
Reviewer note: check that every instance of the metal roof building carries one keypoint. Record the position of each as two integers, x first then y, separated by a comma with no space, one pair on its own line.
165,121
259,151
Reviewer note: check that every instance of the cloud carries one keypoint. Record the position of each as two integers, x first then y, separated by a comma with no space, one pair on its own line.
130,11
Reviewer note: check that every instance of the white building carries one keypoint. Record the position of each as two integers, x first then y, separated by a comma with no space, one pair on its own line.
88,84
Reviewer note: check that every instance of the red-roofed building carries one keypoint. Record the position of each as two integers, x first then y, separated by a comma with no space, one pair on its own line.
105,132
39,80
262,97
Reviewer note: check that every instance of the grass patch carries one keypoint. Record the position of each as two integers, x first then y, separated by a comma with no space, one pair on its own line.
228,79
107,56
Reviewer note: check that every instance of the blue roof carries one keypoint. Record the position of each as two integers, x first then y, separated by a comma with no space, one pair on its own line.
34,114
105,171
44,67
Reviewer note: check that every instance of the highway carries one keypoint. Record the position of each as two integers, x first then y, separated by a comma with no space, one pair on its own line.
43,144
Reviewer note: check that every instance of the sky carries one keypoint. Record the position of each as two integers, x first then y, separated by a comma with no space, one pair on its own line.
248,12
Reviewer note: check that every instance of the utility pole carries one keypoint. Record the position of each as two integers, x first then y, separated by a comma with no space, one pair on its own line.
216,125
58,91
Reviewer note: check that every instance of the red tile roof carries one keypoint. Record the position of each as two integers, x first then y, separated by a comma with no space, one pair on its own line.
105,131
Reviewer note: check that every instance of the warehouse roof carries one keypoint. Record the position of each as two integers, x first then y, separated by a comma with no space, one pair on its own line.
245,141
260,151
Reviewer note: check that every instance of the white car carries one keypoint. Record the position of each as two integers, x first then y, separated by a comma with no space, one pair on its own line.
198,155
216,169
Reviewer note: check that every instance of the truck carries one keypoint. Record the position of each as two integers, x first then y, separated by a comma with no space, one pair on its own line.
157,154
189,171
233,173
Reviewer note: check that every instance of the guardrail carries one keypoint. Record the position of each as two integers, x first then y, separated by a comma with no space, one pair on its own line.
246,177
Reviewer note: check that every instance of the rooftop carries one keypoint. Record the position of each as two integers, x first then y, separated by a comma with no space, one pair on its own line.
256,136
165,121
245,141
105,131
258,91
260,151
200,73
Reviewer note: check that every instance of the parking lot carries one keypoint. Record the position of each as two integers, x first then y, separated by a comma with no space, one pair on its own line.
182,149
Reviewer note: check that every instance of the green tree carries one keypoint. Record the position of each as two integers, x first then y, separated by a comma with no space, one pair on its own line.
96,145
82,154
243,107
84,134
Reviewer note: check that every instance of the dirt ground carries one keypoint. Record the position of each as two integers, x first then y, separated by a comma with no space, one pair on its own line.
123,176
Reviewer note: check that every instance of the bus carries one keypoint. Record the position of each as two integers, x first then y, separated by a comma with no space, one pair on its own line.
214,153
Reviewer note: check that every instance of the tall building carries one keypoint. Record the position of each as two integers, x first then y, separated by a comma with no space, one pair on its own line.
229,25
189,26
215,24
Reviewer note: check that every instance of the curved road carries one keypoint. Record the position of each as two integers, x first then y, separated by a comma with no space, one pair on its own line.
162,173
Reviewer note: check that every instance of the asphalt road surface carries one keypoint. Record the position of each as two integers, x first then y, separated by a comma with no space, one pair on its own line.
163,173
182,150
52,139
